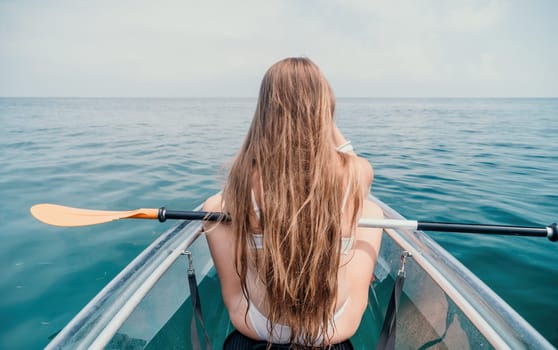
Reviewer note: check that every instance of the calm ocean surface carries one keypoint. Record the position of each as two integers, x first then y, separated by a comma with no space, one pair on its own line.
470,160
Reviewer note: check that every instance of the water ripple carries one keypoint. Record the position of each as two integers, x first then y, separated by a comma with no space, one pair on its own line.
467,160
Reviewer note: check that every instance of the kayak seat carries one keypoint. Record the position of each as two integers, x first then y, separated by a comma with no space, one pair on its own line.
238,341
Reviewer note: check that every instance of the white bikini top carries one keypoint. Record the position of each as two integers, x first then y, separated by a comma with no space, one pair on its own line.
346,242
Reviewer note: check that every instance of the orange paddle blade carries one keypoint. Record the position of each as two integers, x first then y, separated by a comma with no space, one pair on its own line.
59,215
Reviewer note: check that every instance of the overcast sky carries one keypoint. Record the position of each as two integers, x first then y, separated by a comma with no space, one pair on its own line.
366,48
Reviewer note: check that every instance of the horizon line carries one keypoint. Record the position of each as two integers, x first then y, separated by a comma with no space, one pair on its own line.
255,97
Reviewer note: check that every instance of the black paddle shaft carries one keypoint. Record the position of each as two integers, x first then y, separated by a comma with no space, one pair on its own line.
165,214
550,231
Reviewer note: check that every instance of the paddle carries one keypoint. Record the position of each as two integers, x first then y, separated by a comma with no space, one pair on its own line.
59,215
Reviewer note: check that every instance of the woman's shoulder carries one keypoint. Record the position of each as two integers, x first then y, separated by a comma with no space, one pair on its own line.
213,203
365,169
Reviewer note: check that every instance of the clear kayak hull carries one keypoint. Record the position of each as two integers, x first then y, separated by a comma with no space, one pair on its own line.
443,304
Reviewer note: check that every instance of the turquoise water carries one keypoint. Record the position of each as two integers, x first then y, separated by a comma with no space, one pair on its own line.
473,160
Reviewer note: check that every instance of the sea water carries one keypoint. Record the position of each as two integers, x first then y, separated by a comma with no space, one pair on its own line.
491,161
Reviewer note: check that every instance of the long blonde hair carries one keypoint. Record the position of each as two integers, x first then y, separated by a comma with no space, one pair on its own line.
289,149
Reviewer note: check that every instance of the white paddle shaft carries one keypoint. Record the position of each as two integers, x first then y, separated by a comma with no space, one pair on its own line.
385,223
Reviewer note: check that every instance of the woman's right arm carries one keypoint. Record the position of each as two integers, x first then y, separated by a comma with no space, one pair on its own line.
221,245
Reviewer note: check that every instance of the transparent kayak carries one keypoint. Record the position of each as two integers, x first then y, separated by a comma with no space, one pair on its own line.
443,305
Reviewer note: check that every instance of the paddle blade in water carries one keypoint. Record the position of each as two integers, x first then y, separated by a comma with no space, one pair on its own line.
59,215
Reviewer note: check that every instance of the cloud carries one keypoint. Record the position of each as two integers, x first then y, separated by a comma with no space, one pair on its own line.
133,48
